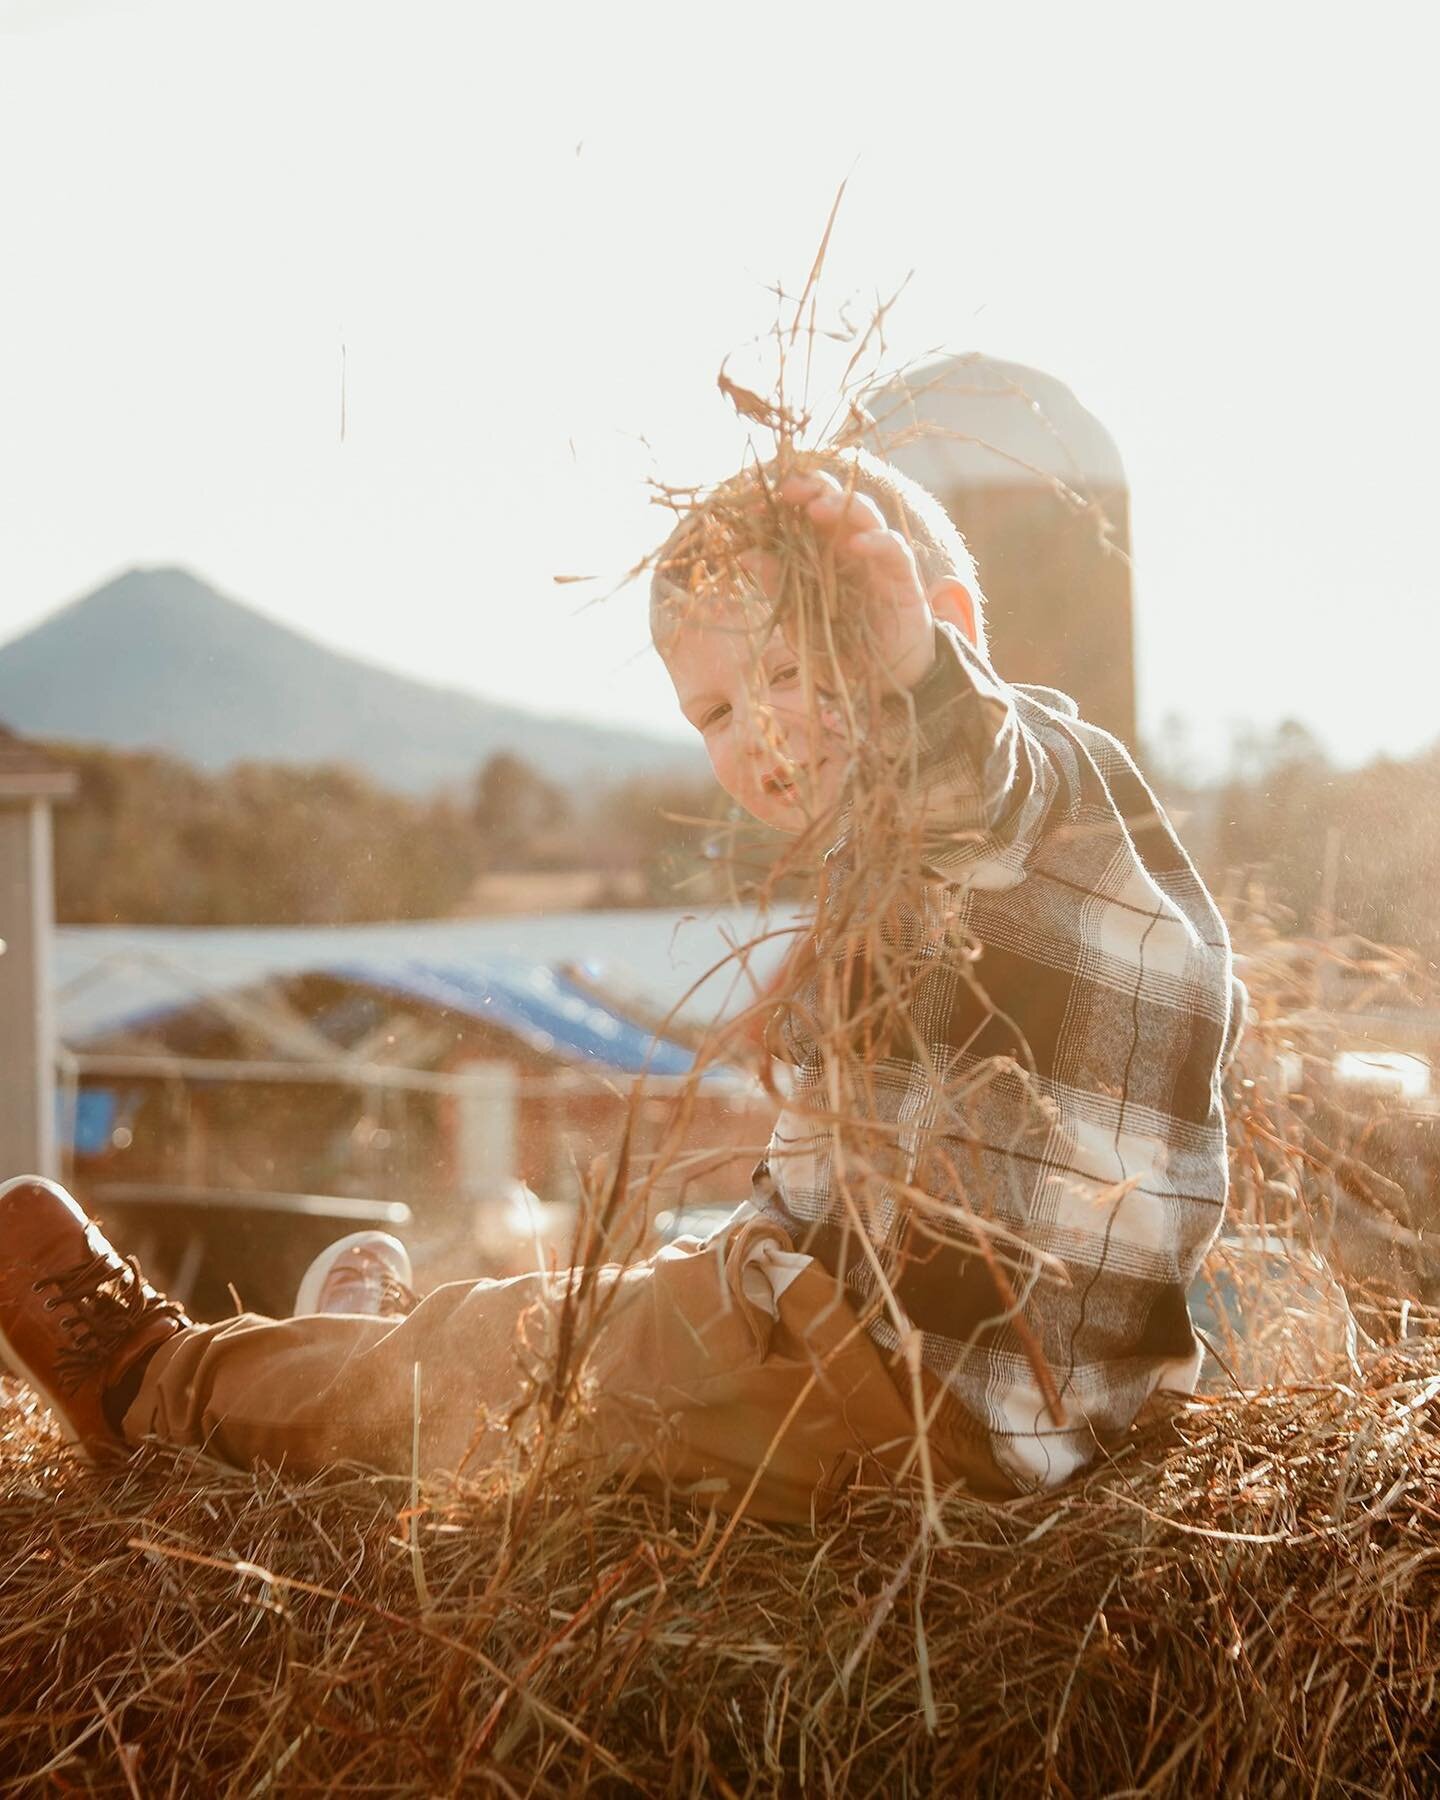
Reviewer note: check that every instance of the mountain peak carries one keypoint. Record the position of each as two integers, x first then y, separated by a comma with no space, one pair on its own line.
158,658
163,578
144,597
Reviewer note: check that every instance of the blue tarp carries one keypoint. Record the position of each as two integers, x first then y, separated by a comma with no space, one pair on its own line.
98,1112
113,979
535,1003
94,1120
531,1001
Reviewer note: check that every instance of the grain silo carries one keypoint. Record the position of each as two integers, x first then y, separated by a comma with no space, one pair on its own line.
1036,484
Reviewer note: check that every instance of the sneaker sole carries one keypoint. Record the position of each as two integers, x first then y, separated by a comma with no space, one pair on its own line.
307,1300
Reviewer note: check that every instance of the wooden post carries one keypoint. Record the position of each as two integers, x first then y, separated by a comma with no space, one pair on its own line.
30,782
485,1132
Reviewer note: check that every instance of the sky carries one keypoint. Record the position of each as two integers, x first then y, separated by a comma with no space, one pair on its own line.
380,317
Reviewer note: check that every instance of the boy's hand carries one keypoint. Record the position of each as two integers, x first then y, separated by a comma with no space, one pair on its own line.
902,626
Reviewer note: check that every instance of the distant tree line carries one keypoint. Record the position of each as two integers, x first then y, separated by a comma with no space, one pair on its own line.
1319,846
150,839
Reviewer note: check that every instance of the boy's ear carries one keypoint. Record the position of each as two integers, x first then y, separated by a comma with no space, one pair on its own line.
951,601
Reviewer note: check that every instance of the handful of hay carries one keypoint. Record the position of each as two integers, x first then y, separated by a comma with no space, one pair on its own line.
1247,1598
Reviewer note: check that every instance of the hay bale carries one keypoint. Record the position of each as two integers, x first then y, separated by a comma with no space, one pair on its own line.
1245,1599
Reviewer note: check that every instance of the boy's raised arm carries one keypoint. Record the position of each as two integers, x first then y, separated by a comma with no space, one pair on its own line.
981,781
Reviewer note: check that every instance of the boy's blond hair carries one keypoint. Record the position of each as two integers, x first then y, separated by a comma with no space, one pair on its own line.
933,536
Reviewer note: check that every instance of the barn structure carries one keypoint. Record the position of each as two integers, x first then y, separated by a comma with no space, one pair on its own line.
232,1099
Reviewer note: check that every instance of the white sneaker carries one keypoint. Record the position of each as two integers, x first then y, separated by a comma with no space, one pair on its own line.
368,1272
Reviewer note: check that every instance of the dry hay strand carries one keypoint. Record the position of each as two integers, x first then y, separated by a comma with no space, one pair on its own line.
1245,1598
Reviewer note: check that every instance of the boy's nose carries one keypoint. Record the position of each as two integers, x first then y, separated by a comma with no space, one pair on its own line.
769,725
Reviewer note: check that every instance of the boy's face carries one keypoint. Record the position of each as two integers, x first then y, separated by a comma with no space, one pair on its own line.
740,686
775,744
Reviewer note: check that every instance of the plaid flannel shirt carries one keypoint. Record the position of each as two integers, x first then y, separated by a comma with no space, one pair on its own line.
1069,1008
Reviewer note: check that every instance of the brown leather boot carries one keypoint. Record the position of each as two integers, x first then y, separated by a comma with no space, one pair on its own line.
75,1315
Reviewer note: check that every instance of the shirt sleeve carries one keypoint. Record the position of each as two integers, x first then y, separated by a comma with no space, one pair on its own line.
982,778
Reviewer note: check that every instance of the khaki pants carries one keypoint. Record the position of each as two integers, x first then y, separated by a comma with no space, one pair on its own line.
688,1385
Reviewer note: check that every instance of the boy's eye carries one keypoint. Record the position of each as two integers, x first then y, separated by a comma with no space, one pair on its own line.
714,716
787,672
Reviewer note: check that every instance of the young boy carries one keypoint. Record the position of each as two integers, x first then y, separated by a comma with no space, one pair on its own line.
1046,1090
999,1163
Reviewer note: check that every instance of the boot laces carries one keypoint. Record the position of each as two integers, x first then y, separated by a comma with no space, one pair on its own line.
105,1300
397,1298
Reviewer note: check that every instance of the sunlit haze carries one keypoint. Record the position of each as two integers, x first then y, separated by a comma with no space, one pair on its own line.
514,245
